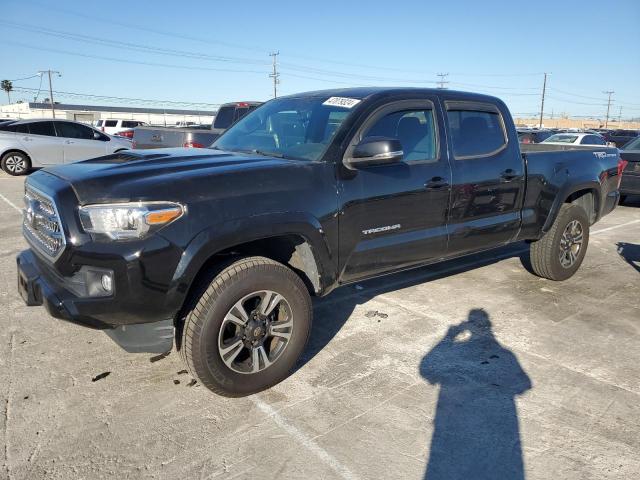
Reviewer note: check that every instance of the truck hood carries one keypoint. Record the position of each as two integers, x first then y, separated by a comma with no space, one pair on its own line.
132,175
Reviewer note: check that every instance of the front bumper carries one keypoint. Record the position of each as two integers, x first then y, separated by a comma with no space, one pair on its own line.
139,330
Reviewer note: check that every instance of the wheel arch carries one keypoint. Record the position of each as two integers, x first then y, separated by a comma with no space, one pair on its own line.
586,195
298,242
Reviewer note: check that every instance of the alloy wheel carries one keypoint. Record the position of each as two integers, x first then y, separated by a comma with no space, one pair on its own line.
255,332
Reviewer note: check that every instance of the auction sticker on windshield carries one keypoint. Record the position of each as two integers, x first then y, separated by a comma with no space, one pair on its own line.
341,102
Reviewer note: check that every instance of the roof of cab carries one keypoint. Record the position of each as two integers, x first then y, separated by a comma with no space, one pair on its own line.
364,92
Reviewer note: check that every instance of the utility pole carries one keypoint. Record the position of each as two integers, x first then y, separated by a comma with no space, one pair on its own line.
620,115
275,75
49,72
608,92
442,82
544,92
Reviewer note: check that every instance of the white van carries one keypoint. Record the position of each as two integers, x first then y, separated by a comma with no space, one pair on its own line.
113,126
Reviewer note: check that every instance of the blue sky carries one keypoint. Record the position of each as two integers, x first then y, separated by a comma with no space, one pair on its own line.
211,52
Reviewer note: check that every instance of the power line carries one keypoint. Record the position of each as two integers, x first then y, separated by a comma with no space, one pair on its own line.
120,99
134,62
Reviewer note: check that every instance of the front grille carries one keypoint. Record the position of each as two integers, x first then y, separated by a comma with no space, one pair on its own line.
41,223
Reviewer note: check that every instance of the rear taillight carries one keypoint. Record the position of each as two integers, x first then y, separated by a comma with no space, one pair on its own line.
126,133
622,164
193,145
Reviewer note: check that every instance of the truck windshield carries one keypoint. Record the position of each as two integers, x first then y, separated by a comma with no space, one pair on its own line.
296,128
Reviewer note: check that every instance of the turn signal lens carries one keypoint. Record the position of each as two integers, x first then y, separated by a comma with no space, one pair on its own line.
160,217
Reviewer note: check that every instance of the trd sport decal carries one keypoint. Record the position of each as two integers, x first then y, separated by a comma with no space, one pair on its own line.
381,229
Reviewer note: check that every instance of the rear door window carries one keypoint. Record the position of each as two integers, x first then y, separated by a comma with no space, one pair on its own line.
475,133
74,130
42,128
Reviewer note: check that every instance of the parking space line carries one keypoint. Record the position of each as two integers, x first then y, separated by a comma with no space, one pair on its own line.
306,441
615,227
11,204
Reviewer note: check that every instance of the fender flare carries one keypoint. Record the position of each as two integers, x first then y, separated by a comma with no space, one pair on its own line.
565,192
217,238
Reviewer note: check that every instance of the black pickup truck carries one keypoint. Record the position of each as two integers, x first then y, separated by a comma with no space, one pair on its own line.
221,249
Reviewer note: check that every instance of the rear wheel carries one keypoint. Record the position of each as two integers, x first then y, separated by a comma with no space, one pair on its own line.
559,253
248,328
16,163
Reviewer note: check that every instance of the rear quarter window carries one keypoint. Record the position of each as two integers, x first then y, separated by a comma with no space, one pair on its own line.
110,123
475,132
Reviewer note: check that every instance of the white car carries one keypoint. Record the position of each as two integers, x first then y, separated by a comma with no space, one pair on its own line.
575,139
113,126
37,143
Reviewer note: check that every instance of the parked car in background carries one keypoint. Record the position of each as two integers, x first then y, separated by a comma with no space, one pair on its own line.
192,137
533,136
112,125
621,137
575,139
631,176
26,144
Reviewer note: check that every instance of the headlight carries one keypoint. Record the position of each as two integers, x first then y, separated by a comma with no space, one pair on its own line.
121,221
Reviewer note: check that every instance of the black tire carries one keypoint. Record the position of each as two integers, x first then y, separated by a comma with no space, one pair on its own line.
16,163
207,323
546,253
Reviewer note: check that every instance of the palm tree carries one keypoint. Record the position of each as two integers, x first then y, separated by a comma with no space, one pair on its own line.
7,86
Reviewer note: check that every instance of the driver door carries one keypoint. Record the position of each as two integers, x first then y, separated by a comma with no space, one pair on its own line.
395,216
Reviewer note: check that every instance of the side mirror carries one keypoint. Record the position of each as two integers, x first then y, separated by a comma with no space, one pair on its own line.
375,151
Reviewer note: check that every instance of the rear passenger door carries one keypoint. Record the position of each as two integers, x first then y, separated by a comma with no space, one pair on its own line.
79,142
488,177
41,143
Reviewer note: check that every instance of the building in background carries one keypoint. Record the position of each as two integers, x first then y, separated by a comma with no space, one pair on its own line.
92,113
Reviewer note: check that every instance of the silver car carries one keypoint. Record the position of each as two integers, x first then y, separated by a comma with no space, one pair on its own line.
27,144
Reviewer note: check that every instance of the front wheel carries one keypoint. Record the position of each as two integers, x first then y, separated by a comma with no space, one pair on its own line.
559,253
248,328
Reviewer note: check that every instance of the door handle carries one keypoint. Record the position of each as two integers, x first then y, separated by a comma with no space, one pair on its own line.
508,175
436,183
27,139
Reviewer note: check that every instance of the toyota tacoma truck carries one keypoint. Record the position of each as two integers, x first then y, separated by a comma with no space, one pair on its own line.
219,251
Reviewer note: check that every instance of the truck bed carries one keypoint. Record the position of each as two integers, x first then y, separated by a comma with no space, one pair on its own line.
167,137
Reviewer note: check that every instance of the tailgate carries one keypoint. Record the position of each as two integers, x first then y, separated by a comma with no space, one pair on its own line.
145,137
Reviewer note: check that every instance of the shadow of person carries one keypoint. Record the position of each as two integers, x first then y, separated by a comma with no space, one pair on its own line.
631,254
476,433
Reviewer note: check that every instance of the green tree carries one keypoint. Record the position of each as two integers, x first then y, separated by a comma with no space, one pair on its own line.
7,86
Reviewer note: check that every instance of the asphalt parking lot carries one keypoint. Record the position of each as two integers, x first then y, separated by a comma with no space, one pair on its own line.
470,369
